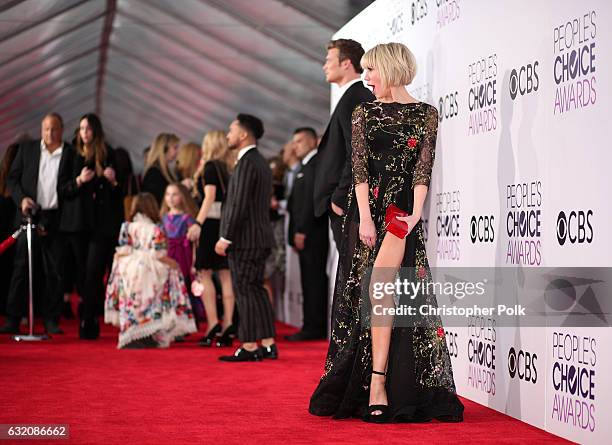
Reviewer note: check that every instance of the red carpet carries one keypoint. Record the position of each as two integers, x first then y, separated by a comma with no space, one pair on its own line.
185,395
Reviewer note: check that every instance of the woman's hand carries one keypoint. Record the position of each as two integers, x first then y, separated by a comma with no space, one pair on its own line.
412,220
193,233
188,182
86,175
109,174
367,232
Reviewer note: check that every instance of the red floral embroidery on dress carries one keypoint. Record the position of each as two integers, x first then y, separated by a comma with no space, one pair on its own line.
422,272
375,192
441,332
412,142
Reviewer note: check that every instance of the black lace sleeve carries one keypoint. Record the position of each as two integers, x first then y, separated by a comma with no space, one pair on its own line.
422,169
359,156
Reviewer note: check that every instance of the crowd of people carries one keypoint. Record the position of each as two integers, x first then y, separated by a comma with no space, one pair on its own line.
201,237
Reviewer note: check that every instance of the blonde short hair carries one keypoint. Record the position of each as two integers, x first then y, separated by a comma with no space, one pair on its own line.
394,61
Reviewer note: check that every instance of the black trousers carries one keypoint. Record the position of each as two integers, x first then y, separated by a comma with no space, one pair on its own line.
313,262
256,314
46,272
93,254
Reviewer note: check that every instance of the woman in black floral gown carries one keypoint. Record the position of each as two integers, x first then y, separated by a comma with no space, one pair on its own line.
386,371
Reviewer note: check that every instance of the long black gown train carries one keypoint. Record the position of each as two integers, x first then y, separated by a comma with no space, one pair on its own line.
393,150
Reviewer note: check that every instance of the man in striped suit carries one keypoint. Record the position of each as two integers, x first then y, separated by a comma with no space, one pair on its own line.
246,236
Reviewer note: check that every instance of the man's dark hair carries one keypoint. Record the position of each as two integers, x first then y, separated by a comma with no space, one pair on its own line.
57,116
308,130
252,124
349,49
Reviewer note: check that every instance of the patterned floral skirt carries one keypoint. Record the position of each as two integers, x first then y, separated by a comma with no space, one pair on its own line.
145,297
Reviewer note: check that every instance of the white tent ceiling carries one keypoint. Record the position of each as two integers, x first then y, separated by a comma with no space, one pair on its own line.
182,66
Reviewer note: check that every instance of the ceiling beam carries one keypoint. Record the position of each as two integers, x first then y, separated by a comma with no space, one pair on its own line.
9,4
279,96
111,10
62,63
5,112
40,21
312,86
51,39
321,20
221,5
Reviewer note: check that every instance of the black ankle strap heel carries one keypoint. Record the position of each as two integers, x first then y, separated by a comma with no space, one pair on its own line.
384,415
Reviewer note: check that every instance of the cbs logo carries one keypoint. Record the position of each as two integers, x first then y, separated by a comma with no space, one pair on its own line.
523,365
525,80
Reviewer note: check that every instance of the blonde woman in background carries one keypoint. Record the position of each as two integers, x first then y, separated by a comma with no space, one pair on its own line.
211,183
187,164
157,173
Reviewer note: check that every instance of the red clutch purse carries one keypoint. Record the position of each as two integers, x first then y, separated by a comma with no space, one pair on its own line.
394,225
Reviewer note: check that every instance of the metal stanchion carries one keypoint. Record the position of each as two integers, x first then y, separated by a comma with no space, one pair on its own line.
31,336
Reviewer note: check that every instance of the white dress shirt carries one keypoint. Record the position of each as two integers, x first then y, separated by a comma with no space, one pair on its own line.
309,156
346,86
48,169
243,151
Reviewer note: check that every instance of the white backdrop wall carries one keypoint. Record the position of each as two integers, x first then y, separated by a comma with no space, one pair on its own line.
517,133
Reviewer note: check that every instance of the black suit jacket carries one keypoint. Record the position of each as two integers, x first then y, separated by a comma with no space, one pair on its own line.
96,206
23,177
245,215
302,217
335,152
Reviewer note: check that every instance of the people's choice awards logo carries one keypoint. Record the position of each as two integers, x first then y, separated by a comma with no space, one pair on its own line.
524,223
448,12
481,354
574,366
482,95
448,206
574,63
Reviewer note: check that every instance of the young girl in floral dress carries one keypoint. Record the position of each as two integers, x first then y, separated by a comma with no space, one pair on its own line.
146,296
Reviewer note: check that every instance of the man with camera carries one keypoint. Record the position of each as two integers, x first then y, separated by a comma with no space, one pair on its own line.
33,184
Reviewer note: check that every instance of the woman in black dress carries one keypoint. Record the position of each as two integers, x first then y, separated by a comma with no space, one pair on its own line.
386,371
211,181
91,215
157,174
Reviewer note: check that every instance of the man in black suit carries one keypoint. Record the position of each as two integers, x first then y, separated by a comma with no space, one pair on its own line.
308,235
246,236
342,67
34,188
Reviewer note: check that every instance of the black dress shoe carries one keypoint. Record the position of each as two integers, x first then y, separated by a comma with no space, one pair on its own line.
269,352
303,335
227,338
89,329
242,355
209,338
51,327
11,326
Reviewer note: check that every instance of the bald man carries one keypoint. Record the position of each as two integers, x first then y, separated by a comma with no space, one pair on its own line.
34,188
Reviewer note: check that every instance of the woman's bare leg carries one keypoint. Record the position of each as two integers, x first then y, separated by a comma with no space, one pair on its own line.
386,265
229,301
209,298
